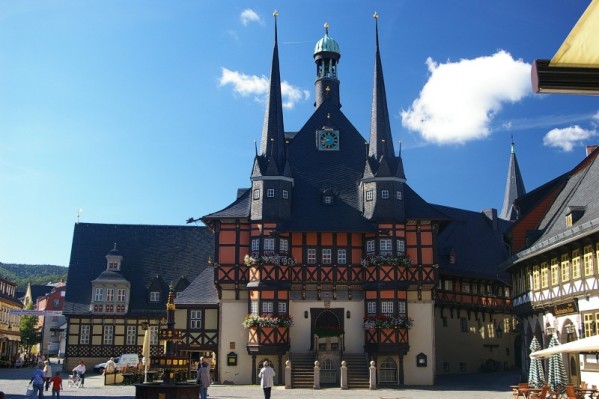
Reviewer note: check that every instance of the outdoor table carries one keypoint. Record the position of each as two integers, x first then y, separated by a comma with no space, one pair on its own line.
584,393
523,391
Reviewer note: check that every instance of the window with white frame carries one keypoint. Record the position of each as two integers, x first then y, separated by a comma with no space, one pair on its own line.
121,294
284,245
327,199
448,285
554,272
254,308
255,245
113,265
109,294
108,335
84,332
386,246
99,295
401,307
401,246
371,307
385,194
195,319
398,195
327,257
131,337
387,307
153,335
369,195
311,256
466,287
342,256
154,296
282,307
257,194
270,193
565,265
269,244
267,307
370,246
285,194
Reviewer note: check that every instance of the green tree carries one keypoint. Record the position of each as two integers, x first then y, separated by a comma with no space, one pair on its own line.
30,332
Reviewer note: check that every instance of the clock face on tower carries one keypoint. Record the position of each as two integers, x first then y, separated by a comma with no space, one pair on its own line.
327,140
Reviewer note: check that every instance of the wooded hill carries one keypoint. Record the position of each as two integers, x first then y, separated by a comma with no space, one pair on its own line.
35,274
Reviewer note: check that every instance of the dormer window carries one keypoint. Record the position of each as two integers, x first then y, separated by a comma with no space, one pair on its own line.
327,199
573,214
385,194
270,193
99,295
155,296
398,195
113,265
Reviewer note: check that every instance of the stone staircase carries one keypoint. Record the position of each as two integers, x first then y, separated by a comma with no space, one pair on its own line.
358,376
302,370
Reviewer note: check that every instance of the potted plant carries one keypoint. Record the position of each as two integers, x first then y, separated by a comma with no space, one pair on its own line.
381,321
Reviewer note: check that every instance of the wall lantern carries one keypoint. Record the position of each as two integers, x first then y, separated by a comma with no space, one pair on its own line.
498,331
347,314
421,360
232,359
305,314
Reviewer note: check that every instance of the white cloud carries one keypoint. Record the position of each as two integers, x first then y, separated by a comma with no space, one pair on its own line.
567,138
258,86
248,15
460,99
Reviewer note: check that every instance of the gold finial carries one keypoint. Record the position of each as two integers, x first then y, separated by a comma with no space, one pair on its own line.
275,14
326,28
328,89
376,15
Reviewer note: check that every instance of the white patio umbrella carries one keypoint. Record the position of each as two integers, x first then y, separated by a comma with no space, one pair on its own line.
536,377
145,352
589,344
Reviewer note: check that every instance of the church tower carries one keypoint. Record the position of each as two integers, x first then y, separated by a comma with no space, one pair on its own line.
384,178
514,188
271,176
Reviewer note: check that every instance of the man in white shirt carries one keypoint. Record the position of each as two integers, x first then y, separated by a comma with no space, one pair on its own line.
267,374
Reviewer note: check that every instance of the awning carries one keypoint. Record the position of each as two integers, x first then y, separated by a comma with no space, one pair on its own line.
589,344
574,69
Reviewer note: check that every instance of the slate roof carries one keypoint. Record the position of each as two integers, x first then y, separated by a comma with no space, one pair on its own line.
148,251
38,290
580,189
201,291
477,242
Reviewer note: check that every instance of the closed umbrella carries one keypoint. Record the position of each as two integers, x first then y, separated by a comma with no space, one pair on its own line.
145,352
556,374
536,378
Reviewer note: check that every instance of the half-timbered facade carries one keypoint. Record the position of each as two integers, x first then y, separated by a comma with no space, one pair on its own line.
554,270
9,322
118,283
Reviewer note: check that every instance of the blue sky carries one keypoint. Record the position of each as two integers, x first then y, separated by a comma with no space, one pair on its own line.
146,112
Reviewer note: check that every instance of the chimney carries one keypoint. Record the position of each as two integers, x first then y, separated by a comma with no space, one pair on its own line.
491,214
590,148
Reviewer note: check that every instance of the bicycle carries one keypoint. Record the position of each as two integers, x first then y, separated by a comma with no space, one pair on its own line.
74,380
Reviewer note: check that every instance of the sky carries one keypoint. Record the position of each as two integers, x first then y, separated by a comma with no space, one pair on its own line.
147,112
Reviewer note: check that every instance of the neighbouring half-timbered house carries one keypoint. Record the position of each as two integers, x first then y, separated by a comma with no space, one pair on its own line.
9,322
554,269
118,283
473,307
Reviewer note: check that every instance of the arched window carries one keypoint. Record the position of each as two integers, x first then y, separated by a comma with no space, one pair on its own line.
388,371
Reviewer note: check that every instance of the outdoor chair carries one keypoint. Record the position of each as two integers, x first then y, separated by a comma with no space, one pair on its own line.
545,391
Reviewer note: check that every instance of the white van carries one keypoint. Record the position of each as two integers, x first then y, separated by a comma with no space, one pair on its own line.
127,360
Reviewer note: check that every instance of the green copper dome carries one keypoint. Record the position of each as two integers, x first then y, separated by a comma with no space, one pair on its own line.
327,43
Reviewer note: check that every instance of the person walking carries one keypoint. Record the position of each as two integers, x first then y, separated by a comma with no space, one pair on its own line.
267,375
47,373
80,369
56,384
38,381
203,378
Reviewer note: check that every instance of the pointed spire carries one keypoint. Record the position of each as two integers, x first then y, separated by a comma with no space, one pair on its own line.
514,187
381,140
273,133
